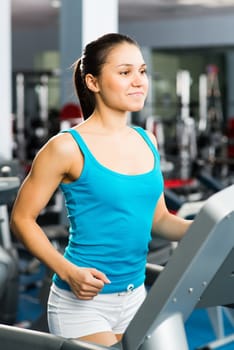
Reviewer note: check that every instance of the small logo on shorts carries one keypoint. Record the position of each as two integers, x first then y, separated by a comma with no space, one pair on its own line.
130,287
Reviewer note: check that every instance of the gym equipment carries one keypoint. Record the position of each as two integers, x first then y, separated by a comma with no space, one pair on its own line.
198,274
33,115
189,209
193,277
9,276
212,141
155,125
211,114
186,131
13,338
216,315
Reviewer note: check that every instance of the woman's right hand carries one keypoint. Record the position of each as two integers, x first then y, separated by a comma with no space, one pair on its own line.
86,283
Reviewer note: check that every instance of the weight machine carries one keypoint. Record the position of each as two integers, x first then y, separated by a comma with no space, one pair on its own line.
9,275
35,120
212,141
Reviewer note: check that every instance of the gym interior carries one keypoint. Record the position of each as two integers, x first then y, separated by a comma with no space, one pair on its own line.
189,50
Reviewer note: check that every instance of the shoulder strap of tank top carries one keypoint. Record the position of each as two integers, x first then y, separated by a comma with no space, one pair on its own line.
79,140
147,139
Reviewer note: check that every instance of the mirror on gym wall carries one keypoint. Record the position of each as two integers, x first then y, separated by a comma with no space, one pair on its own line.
173,95
165,66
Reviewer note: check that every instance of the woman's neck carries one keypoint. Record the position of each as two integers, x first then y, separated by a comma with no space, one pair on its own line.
109,123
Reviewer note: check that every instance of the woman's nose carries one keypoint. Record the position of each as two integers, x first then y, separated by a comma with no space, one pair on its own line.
137,79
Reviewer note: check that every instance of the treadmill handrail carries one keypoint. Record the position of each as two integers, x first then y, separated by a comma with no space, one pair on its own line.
190,269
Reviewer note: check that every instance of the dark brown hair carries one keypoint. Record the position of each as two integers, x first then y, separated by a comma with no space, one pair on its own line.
93,58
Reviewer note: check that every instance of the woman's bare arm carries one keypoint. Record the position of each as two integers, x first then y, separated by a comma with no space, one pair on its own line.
168,225
52,164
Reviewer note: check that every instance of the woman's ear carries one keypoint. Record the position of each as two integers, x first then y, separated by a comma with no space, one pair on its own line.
91,83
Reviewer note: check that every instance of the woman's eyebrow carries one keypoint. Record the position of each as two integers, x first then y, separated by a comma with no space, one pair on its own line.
130,65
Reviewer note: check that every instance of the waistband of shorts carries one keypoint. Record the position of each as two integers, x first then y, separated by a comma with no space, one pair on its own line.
114,287
129,290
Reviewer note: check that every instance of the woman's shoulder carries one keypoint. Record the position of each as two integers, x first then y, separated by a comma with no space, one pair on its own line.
60,146
150,135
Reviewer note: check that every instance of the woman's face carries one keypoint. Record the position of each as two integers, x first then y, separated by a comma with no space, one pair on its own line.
123,83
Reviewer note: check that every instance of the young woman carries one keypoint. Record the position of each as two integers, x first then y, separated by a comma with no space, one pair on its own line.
110,175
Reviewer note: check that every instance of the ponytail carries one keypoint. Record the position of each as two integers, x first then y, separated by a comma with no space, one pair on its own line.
86,98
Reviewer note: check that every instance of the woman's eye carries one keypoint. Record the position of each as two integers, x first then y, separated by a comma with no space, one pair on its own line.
144,71
124,73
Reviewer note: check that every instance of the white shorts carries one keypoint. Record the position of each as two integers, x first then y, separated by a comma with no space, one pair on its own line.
70,317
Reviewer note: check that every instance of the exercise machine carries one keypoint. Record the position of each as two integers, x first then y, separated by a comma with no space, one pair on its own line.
186,131
9,275
36,120
192,278
199,274
212,141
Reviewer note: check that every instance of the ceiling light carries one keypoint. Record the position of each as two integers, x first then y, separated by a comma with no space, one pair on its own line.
207,3
55,3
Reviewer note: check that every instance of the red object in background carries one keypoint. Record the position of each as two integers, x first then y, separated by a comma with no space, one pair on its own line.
230,136
70,115
212,68
70,111
177,183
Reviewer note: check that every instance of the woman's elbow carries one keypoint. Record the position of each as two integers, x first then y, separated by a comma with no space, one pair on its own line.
14,223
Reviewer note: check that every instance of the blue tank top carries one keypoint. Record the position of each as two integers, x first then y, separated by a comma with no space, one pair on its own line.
110,218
